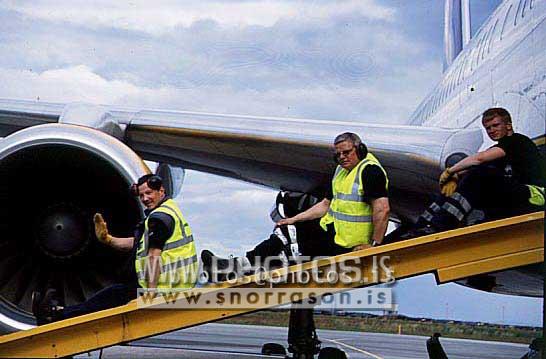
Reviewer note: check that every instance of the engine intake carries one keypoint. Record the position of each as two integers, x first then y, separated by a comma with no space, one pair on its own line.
53,178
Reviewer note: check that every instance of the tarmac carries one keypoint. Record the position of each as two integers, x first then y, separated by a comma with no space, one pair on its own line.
221,341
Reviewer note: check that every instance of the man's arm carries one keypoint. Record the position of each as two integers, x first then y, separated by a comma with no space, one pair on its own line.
152,277
122,243
374,183
101,232
317,211
380,219
161,227
479,158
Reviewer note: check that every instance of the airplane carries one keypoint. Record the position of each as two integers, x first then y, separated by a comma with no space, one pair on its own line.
85,156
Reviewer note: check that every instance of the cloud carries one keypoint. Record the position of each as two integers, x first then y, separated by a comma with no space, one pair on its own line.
348,62
160,17
226,216
81,83
78,83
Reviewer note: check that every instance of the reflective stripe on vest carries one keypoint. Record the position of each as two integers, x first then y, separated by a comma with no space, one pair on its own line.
179,265
536,195
165,268
351,215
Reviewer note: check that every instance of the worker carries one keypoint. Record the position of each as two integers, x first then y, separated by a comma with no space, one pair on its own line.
505,180
353,215
163,250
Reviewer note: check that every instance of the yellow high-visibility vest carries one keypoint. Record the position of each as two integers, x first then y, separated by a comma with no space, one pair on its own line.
351,215
178,265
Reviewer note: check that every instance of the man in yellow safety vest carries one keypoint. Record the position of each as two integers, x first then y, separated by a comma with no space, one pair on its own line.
163,250
356,210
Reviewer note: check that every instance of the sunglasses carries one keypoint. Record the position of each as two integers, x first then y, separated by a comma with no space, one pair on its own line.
344,153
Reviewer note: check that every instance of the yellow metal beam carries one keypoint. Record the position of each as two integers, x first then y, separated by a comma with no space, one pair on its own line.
489,265
455,254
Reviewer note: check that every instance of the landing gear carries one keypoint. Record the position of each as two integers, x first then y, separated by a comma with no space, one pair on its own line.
535,349
434,347
332,353
302,336
303,341
273,349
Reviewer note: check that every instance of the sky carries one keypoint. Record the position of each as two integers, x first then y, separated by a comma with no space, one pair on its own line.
354,60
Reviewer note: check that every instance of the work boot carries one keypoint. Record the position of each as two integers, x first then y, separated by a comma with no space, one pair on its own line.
47,311
220,269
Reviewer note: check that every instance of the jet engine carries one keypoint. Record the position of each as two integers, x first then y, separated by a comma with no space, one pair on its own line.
53,178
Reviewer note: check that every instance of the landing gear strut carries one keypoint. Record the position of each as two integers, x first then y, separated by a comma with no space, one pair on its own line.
302,336
303,341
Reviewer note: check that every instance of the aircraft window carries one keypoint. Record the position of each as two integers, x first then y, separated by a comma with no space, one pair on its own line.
505,21
517,12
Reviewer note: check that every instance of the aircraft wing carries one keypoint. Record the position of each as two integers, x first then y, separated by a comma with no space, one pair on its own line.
283,153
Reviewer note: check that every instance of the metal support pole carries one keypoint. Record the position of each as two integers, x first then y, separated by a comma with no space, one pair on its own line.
302,336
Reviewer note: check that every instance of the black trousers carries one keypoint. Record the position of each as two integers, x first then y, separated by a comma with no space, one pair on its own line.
109,297
313,241
499,196
483,188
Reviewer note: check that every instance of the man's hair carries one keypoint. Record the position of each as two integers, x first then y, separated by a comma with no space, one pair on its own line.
153,181
493,112
361,149
348,136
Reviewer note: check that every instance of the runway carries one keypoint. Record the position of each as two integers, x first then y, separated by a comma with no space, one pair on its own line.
222,341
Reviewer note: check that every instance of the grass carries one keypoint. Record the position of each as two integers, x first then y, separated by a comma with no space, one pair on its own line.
407,326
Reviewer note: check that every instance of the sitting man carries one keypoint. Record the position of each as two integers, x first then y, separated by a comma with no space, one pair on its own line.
163,250
505,180
353,216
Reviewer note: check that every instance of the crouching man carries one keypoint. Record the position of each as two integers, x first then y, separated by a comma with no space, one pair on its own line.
505,180
162,248
353,215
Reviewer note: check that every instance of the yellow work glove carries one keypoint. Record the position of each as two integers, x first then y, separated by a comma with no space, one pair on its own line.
101,230
445,176
449,187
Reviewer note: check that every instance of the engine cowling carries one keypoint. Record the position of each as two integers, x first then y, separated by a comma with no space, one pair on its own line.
54,177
